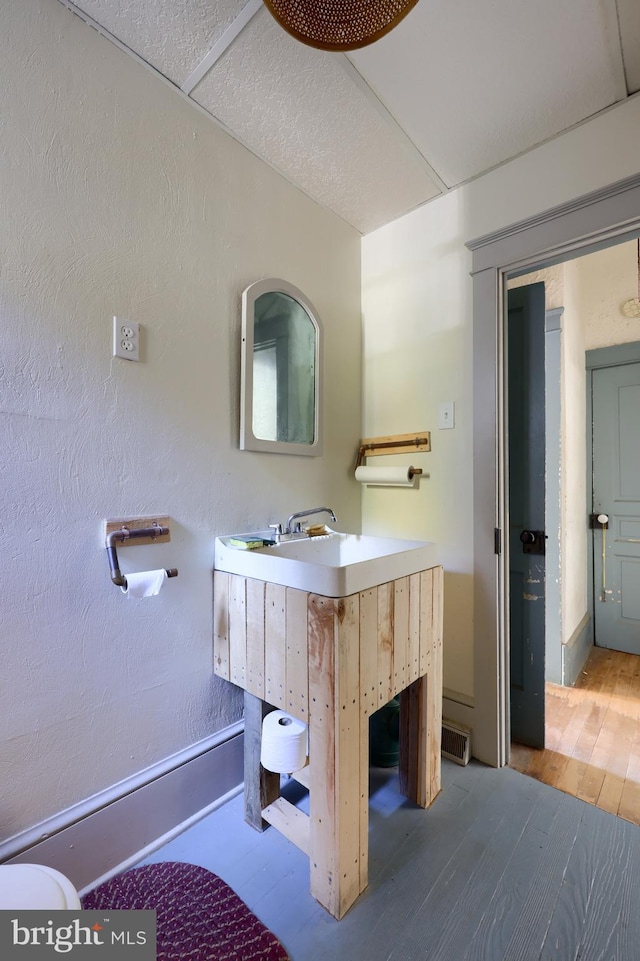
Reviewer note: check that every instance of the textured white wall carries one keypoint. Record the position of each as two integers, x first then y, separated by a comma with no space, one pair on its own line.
117,197
416,311
608,279
417,291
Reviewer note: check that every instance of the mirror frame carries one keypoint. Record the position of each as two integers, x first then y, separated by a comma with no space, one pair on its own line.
248,440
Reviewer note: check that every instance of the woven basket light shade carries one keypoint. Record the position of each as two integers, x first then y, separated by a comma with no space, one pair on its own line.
339,24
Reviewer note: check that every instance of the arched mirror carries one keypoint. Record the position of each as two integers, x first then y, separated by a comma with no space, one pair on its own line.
280,406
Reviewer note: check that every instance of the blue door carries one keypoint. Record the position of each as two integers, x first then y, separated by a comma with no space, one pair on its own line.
616,501
526,454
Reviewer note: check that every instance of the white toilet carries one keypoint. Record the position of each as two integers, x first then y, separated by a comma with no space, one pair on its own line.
36,887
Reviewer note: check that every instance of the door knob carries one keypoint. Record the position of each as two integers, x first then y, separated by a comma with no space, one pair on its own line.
533,542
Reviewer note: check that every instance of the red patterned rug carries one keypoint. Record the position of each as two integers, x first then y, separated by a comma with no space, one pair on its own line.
198,916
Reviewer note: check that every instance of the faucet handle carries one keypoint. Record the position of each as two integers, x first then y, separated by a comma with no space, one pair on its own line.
277,531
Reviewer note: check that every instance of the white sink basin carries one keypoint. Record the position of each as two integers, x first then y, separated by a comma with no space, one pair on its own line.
334,565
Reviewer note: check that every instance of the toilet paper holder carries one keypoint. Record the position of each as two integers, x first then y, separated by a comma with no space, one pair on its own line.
139,530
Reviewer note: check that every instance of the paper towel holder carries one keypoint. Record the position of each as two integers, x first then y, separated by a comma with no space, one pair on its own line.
394,444
144,530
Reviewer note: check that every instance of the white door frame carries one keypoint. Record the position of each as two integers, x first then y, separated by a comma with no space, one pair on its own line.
597,220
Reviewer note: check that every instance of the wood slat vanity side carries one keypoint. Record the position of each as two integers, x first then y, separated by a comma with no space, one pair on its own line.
426,620
368,629
290,821
255,636
435,679
238,631
322,794
385,642
297,654
261,787
408,742
275,667
400,633
413,646
221,624
352,766
421,702
368,644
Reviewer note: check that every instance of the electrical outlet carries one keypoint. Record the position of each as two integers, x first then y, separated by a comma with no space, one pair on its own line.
126,339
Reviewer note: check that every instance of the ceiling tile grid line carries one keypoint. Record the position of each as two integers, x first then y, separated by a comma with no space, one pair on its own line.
611,17
238,25
222,45
298,108
452,93
629,25
356,77
202,110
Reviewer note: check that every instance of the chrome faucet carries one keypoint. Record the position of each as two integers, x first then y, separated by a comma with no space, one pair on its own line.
296,529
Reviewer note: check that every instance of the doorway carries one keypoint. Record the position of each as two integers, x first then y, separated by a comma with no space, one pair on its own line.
591,748
589,223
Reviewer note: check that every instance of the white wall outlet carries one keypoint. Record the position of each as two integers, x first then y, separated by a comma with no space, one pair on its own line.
126,339
446,415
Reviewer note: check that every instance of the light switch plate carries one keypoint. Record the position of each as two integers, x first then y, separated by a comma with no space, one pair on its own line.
446,415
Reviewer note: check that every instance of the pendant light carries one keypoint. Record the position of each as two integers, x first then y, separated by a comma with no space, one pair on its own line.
632,307
338,24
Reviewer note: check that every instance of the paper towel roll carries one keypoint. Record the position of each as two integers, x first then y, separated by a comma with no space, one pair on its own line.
144,583
284,743
386,476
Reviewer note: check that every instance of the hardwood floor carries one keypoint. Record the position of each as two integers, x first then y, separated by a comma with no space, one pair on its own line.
593,736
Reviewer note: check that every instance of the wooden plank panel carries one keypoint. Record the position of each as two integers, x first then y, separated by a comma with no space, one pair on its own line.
352,771
629,807
385,643
610,793
297,666
408,742
237,631
290,821
255,637
221,624
434,686
275,645
261,787
400,633
322,752
369,652
413,646
363,852
426,619
303,776
591,784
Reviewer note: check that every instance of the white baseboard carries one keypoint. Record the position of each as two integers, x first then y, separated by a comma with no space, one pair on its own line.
114,829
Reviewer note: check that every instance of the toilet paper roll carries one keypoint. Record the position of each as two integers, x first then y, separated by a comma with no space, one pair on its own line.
144,583
386,476
284,743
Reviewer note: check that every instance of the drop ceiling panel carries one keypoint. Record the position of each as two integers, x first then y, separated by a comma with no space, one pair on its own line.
297,108
629,17
474,84
173,37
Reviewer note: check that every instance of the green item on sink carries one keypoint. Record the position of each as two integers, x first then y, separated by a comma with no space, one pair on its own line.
248,543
